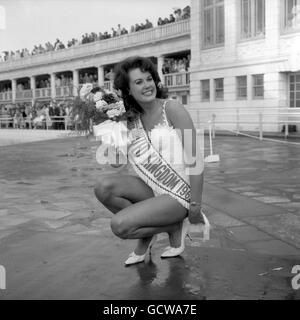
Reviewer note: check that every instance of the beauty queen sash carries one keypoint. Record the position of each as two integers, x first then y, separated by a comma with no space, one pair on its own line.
156,172
153,169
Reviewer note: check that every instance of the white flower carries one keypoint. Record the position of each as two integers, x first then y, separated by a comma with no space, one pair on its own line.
97,96
120,105
85,90
101,104
115,112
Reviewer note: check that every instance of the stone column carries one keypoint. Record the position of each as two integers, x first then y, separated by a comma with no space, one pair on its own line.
53,93
100,76
32,86
160,62
75,82
14,89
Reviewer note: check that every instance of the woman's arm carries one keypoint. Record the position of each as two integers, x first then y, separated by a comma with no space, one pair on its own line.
181,120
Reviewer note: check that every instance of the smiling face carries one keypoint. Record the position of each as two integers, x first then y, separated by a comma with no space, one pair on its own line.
142,86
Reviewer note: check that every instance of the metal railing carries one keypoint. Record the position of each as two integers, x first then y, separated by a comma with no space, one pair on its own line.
6,96
260,118
65,91
55,122
24,94
108,85
172,80
280,117
43,93
175,80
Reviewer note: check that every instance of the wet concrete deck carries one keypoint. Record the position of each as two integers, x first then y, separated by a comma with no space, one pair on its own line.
56,242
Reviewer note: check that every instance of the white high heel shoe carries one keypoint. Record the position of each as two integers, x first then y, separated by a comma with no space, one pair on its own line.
134,258
186,228
171,252
202,228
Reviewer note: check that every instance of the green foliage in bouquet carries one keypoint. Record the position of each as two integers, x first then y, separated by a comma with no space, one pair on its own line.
95,105
85,114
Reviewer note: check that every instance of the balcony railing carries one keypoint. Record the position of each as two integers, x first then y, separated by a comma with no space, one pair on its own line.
108,85
24,94
176,80
43,93
172,81
64,91
6,96
171,30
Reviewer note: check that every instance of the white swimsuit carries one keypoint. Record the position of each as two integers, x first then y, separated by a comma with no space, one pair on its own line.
166,141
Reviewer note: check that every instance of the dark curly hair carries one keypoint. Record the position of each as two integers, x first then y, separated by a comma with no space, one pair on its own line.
121,82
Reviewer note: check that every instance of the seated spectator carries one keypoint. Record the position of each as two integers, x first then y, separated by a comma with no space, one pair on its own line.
113,32
124,31
148,24
57,82
63,81
107,35
119,30
178,15
75,42
61,46
165,68
166,21
101,36
160,21
186,12
181,66
86,78
109,76
137,27
171,18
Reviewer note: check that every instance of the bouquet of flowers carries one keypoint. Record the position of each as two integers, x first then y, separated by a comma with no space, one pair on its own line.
103,113
95,105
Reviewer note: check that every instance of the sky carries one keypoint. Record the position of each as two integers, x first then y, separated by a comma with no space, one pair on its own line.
25,23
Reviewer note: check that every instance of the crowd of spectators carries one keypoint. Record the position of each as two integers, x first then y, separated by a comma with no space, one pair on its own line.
53,115
5,88
63,81
40,84
88,78
172,65
179,14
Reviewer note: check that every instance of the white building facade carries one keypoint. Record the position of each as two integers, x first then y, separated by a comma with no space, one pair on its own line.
245,62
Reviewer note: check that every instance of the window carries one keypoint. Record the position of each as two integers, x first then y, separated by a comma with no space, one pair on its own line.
219,89
184,99
213,23
291,14
258,86
205,90
295,90
241,84
252,18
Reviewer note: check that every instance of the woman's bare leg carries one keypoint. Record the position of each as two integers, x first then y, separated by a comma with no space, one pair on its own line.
117,192
149,217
